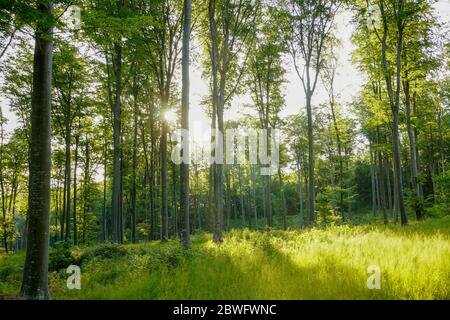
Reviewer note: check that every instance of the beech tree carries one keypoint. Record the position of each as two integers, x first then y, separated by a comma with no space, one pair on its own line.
35,278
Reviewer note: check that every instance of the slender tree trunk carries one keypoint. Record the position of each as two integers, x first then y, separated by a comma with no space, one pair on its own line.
184,170
63,213
116,111
68,172
283,198
2,184
134,164
217,171
255,209
152,176
388,181
86,186
412,148
75,225
372,178
164,185
174,199
104,225
121,219
414,112
268,177
241,196
381,179
35,278
300,191
311,178
395,104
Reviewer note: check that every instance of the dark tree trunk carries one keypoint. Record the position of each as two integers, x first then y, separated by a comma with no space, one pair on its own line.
412,149
134,164
216,171
75,226
35,278
381,179
105,159
394,101
2,185
116,111
87,159
164,185
67,180
283,198
185,122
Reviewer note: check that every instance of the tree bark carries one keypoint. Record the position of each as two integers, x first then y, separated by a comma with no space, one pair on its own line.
75,225
184,170
2,184
134,164
116,111
35,278
104,218
311,178
412,148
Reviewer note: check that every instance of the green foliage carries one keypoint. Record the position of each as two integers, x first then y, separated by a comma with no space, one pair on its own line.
60,256
442,206
104,251
11,272
316,263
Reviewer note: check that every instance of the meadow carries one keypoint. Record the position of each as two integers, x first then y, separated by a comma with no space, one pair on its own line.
315,263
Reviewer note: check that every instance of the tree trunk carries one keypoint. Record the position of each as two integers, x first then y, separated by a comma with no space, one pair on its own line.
75,226
134,164
381,179
311,178
394,102
174,200
388,181
300,191
86,186
217,171
35,278
255,212
164,186
104,225
412,149
372,178
116,112
184,170
241,196
280,177
68,201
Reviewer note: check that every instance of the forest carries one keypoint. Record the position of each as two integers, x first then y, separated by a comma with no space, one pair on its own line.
224,149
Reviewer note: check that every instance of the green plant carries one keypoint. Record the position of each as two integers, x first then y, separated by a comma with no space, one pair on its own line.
60,256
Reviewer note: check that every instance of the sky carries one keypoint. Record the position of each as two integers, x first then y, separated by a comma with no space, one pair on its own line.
347,84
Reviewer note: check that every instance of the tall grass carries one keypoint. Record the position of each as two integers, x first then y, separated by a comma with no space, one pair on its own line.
317,263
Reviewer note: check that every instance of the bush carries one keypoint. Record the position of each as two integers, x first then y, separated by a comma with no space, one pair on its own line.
442,206
60,256
104,251
169,256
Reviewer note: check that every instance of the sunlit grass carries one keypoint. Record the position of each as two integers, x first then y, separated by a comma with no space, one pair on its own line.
317,263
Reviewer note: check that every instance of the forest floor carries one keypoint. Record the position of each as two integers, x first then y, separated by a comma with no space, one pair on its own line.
316,263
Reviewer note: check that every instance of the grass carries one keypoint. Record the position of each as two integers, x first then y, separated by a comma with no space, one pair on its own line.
317,263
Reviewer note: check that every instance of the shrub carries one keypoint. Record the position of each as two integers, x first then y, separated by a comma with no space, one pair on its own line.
104,251
60,256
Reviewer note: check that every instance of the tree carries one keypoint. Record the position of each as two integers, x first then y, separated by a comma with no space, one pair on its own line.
35,278
237,20
185,122
265,76
310,24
